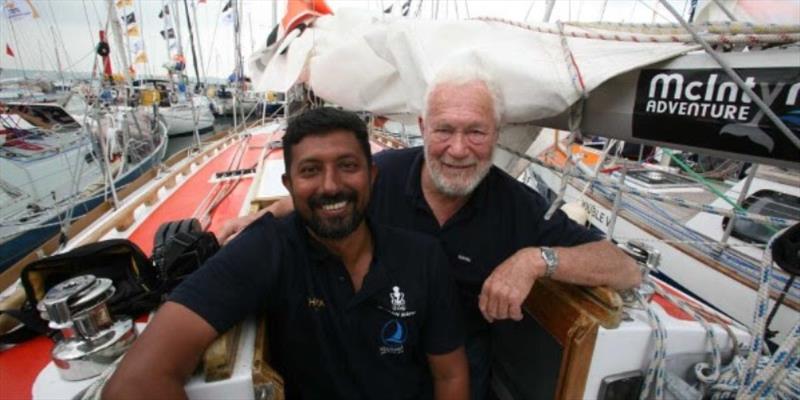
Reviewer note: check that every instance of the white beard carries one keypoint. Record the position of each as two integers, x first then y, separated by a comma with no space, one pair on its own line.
462,184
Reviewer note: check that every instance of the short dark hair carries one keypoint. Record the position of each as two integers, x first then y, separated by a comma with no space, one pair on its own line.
320,121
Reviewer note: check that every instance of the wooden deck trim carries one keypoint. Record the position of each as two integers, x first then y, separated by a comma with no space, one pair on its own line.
573,316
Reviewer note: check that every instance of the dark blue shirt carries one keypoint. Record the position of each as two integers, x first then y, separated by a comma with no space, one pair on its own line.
502,216
326,339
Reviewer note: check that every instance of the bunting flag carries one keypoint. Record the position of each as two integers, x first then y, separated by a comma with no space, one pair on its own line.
405,8
133,31
141,58
129,19
227,14
9,51
18,10
170,34
124,3
164,11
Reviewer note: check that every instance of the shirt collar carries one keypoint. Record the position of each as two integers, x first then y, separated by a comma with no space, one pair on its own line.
376,279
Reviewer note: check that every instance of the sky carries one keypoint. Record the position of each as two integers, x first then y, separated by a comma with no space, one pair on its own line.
70,27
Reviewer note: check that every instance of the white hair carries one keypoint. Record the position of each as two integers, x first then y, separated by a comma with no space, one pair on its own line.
462,74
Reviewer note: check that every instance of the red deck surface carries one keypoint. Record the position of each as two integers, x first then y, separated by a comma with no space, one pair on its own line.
20,365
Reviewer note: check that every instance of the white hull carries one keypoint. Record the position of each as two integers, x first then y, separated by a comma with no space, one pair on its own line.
180,118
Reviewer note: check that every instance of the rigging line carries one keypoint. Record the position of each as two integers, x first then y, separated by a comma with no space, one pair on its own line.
140,22
43,36
88,25
653,9
214,36
528,13
60,36
736,78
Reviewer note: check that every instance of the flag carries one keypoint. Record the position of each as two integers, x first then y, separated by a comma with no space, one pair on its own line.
170,34
164,11
133,31
17,10
405,8
9,51
124,3
141,58
129,19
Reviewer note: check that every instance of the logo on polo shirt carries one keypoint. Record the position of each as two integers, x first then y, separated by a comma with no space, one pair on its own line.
315,303
393,336
398,299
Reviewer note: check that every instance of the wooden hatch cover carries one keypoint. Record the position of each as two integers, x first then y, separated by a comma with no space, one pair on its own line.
571,315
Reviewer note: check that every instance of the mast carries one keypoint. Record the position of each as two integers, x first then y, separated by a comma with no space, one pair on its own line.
238,70
16,43
199,46
191,41
116,30
58,58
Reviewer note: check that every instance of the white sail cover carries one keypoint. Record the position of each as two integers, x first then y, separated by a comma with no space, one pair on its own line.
364,60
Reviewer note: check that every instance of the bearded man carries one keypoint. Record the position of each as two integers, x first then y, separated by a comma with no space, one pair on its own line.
355,310
492,226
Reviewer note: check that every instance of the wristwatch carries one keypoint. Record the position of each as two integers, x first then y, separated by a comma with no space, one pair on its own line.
550,258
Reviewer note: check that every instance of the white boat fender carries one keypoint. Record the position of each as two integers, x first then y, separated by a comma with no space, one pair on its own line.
576,212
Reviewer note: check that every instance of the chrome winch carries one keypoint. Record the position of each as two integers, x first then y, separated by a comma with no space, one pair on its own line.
649,259
92,340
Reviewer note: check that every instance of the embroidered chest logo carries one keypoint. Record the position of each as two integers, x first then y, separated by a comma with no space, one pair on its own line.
393,336
315,303
398,299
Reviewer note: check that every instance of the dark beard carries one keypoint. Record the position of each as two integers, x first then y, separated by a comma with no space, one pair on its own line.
333,228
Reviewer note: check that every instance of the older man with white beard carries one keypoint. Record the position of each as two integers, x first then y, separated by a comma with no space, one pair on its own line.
491,226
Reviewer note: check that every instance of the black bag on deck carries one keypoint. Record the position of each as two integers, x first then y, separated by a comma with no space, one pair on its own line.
180,247
120,260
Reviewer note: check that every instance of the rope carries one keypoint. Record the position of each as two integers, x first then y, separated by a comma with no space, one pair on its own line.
725,28
716,356
655,369
751,39
575,116
757,375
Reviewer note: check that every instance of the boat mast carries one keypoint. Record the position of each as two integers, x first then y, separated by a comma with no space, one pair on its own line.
199,46
238,70
116,29
191,41
182,58
16,43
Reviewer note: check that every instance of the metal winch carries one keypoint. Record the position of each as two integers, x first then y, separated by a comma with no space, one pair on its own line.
92,340
649,259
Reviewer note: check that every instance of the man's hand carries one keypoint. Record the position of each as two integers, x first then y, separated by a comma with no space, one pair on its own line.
509,284
232,227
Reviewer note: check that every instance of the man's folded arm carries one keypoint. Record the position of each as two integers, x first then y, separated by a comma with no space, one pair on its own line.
163,358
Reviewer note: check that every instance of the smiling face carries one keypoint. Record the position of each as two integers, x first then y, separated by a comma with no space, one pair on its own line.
459,131
330,180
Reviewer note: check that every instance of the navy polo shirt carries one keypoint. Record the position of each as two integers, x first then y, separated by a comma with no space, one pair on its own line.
327,340
502,216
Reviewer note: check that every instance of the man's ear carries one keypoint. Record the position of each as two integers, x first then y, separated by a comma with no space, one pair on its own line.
287,182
